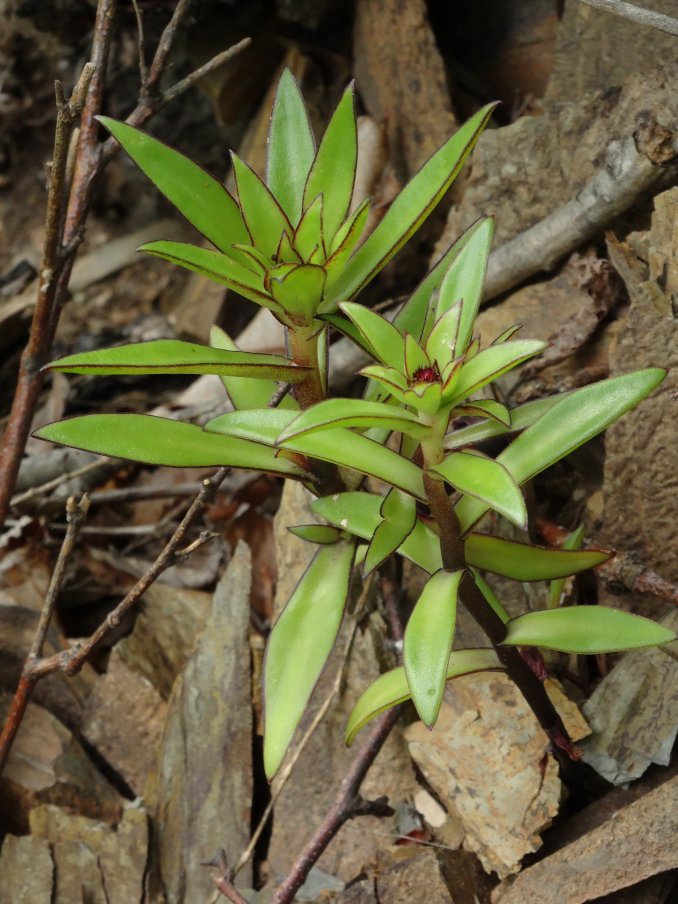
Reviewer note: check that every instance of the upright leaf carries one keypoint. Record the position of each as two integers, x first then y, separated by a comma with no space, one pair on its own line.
263,215
291,147
399,513
308,236
195,193
387,342
491,363
301,640
428,642
333,169
412,206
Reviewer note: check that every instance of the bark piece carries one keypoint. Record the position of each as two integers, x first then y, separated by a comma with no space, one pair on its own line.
47,765
596,50
124,719
523,172
637,842
202,790
401,77
27,871
78,879
634,714
166,630
640,468
487,761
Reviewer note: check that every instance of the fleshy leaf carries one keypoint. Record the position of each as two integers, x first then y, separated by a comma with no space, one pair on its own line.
485,479
353,413
308,235
573,541
166,356
161,441
488,408
215,266
261,425
565,426
521,418
587,630
391,688
300,642
491,363
263,215
443,337
290,148
387,342
464,280
524,562
299,291
195,193
490,596
247,392
333,169
399,512
428,642
322,534
415,356
412,206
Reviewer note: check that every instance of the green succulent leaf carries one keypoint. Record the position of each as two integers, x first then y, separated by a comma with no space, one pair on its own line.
301,640
299,291
195,193
247,392
166,356
487,480
488,408
428,642
587,630
214,266
322,534
565,426
399,513
264,217
353,413
490,596
308,236
388,343
464,280
333,170
411,207
443,337
161,441
290,149
573,541
255,261
260,425
286,253
524,562
392,688
521,418
491,363
348,328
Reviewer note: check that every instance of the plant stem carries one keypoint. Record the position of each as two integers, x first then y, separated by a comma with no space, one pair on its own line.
304,348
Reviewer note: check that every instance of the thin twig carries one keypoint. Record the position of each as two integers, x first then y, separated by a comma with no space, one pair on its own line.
223,881
50,485
75,514
637,14
71,661
210,66
141,42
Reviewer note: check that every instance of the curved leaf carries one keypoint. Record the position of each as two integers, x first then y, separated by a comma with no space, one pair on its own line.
486,408
214,266
565,426
195,193
387,342
322,534
300,642
161,356
586,630
428,642
333,169
399,512
412,206
573,541
491,363
524,562
161,441
299,291
391,688
264,217
308,235
487,480
290,147
353,413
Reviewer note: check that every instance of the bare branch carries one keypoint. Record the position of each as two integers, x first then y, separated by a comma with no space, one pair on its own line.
141,42
637,14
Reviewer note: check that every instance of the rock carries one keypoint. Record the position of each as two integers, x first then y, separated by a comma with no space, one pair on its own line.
109,862
523,172
124,719
27,871
401,78
201,793
597,50
640,467
48,765
487,761
167,626
634,714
